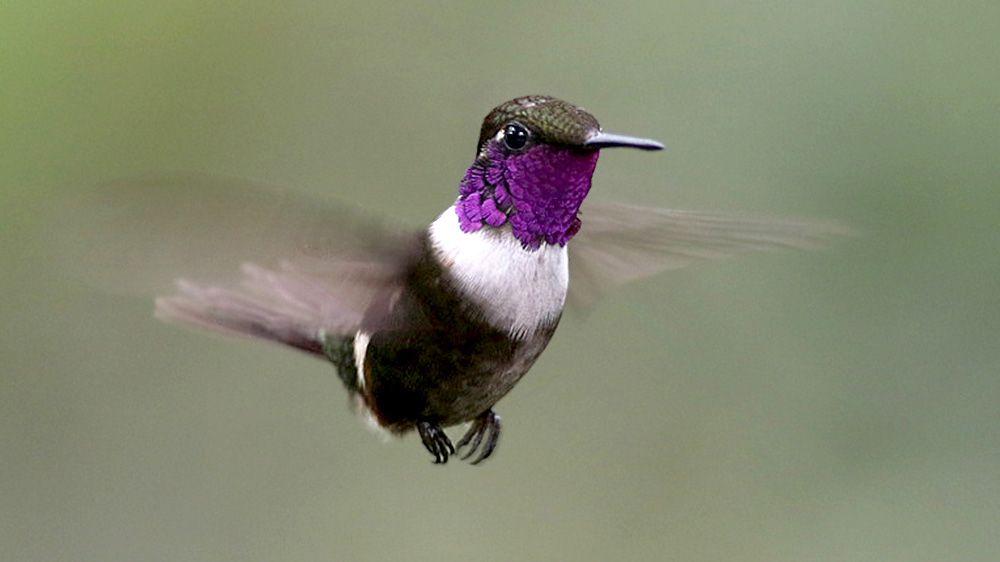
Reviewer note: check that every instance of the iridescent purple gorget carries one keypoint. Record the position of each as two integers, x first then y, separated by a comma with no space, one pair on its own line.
537,191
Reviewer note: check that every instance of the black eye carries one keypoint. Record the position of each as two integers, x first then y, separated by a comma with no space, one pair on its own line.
515,136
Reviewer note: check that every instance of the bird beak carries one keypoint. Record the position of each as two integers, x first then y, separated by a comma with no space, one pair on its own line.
610,140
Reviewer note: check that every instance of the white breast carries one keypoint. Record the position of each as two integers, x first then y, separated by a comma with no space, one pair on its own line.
518,290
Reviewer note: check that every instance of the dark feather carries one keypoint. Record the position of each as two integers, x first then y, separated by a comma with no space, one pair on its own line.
246,258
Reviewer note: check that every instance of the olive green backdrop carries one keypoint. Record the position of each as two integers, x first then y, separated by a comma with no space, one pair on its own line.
837,405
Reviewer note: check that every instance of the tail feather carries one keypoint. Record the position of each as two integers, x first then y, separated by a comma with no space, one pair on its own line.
293,305
237,313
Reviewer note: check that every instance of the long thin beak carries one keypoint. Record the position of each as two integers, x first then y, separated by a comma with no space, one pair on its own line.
611,140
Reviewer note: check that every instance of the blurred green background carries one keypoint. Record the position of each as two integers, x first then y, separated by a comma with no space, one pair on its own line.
838,405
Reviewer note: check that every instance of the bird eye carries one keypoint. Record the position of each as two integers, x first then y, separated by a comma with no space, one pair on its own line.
515,136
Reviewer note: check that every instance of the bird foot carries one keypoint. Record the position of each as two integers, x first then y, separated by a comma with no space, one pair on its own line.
487,426
436,441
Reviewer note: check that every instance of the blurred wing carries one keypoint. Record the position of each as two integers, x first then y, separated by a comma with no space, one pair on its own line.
622,243
246,258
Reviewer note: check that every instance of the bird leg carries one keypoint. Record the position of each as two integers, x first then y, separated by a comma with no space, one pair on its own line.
487,426
436,441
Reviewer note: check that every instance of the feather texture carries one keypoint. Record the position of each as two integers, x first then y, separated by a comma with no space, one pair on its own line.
620,243
253,260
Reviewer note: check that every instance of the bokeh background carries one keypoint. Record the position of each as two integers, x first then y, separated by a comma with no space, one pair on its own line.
838,405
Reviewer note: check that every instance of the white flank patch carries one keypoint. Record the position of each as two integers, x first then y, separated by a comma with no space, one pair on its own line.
361,340
519,290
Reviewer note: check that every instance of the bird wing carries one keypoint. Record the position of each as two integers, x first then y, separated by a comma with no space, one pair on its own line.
245,258
621,243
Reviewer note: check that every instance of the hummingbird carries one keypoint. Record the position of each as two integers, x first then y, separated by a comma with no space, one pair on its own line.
429,329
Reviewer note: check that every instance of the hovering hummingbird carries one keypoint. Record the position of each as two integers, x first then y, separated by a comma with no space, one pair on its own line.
431,329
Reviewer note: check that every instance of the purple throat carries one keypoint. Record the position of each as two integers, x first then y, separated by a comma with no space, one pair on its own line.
538,192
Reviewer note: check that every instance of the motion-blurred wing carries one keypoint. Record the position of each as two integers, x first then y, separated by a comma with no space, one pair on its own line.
622,243
241,257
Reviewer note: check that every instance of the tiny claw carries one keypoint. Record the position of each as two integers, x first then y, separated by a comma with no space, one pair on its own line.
488,422
491,443
476,431
468,435
436,441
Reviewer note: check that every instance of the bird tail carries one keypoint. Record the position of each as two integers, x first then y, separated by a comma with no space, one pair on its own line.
315,310
240,313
